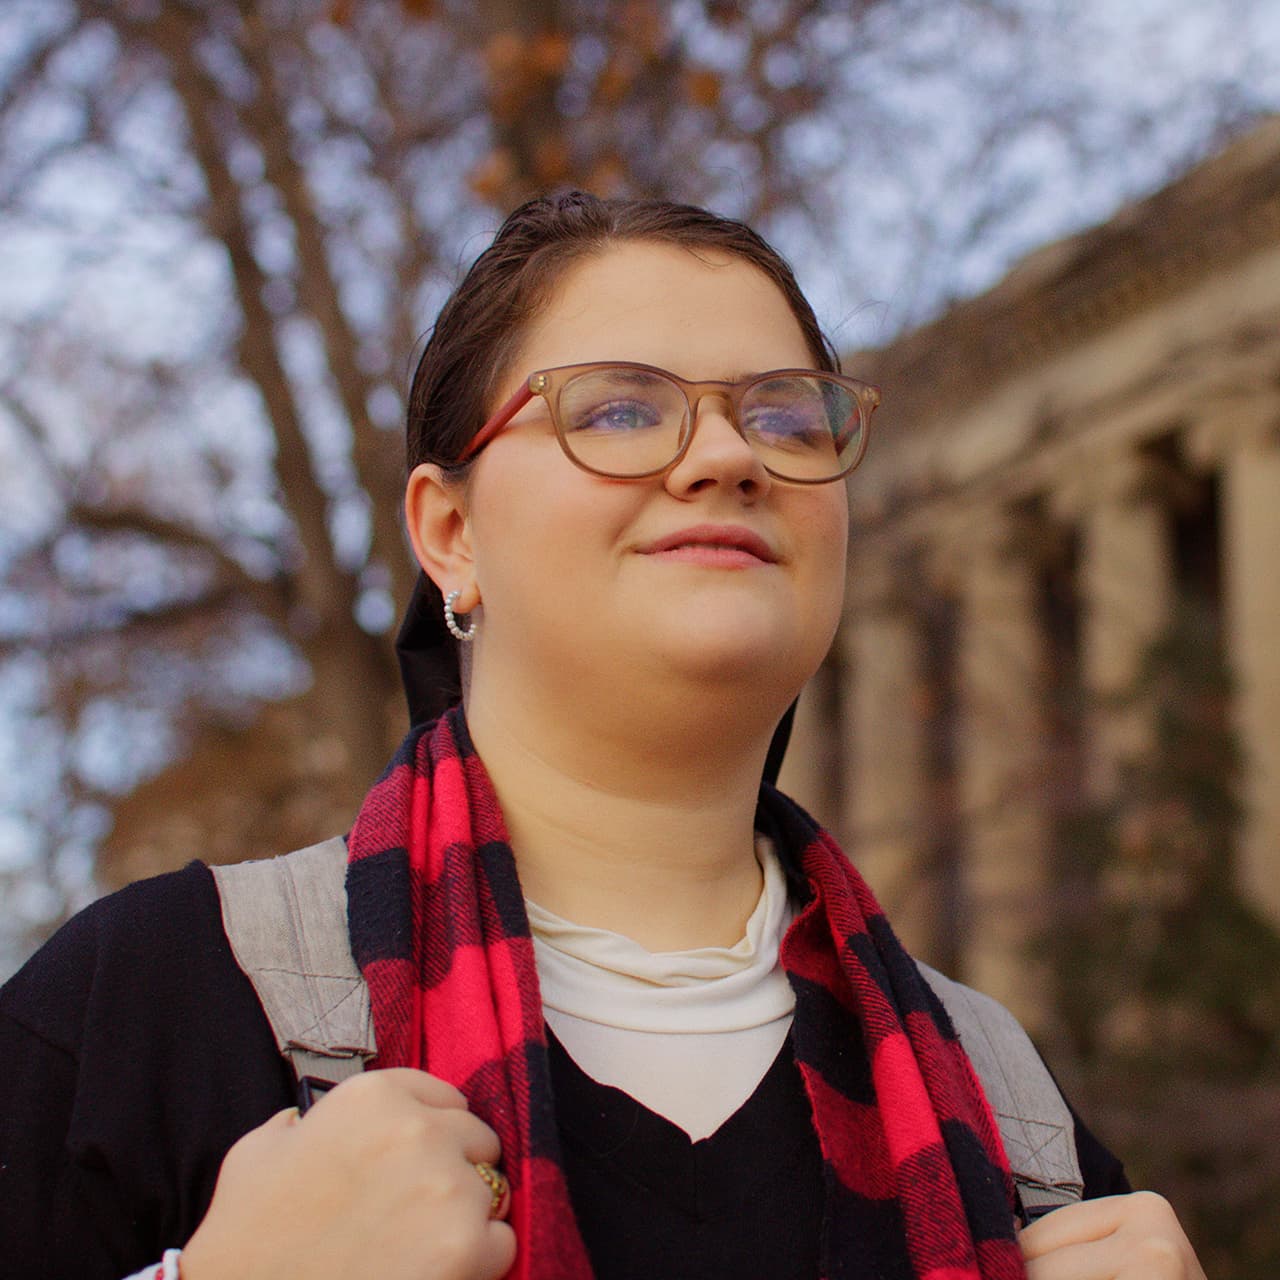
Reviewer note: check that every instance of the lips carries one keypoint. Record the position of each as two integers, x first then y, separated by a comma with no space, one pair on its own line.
725,537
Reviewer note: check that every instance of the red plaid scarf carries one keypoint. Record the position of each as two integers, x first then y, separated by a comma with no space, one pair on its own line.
917,1184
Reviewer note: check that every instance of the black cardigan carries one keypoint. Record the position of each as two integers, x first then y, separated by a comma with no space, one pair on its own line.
134,1052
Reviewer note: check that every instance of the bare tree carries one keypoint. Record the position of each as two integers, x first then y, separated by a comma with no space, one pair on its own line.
237,220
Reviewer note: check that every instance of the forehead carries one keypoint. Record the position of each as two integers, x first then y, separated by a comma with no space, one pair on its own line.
701,314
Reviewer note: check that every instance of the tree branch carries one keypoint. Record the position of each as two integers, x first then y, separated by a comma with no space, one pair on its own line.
265,119
33,430
137,624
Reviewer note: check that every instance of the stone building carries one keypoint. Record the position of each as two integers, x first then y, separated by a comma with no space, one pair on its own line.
1056,465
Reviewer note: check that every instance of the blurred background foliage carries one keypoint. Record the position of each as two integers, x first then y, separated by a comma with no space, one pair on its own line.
1165,980
225,228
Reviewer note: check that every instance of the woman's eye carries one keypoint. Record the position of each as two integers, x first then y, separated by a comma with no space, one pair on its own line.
790,426
616,415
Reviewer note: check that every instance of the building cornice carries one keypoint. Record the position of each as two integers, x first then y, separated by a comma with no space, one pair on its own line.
1070,291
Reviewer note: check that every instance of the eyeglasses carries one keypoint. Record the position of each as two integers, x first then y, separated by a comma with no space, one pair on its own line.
628,421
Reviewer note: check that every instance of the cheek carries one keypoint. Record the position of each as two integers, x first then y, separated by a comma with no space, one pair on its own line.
827,529
541,525
829,533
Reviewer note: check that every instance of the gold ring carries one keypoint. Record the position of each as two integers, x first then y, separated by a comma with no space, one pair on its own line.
499,1187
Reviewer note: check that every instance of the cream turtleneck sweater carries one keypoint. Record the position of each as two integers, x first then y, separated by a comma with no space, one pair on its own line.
688,1033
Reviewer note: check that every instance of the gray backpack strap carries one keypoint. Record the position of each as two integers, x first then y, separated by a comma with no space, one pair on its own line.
1035,1122
286,920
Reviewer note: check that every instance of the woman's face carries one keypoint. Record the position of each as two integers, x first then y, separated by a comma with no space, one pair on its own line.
594,579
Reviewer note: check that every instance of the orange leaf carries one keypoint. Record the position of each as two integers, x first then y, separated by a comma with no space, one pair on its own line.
491,177
550,53
615,81
643,25
608,177
511,83
702,87
504,53
551,161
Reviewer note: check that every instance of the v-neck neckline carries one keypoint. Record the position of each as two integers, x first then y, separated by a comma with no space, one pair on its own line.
770,1135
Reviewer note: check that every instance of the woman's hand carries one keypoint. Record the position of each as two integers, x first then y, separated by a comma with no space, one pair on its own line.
1133,1237
379,1179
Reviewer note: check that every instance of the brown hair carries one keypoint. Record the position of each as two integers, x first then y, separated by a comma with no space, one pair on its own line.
481,324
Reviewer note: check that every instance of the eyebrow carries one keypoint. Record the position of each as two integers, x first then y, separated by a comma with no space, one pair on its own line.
636,376
741,376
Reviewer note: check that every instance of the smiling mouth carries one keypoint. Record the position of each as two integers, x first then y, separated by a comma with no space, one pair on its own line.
714,546
710,556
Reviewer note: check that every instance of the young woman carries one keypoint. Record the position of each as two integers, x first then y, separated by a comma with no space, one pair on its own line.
635,1014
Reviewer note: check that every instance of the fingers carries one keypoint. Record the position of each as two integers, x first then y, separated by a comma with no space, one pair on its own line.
1140,1211
1130,1237
417,1109
414,1098
422,1099
1110,1259
479,1143
430,1090
1072,1224
1092,1260
382,1167
498,1252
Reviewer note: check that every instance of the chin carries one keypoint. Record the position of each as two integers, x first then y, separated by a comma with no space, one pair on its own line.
755,658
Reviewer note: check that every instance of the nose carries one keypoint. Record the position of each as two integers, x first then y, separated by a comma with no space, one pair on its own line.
717,455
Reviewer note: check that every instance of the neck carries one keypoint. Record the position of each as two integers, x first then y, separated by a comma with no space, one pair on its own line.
648,834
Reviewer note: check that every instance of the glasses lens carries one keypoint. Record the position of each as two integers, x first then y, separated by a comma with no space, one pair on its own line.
623,422
803,427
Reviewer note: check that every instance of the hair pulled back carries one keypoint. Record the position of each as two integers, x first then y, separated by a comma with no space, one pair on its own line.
480,326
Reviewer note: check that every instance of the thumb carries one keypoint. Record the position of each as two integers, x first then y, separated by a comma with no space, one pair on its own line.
285,1119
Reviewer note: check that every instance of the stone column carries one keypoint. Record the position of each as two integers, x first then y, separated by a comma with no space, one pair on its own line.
1001,765
886,809
1251,543
1126,588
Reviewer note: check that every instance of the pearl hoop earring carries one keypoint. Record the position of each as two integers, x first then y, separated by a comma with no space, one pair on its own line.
451,621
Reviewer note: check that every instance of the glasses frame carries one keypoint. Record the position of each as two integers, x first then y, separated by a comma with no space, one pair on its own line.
550,383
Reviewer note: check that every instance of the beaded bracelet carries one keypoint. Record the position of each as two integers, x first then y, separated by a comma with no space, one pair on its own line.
165,1269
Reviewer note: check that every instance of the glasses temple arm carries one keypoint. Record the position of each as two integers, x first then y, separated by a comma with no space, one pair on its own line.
497,422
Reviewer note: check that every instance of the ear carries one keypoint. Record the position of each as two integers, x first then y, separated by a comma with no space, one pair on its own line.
436,514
